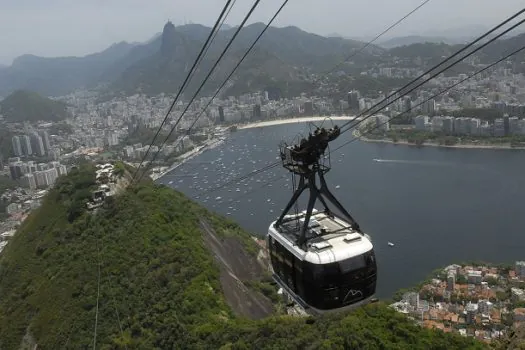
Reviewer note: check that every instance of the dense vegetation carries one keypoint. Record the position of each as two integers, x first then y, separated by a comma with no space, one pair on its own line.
419,137
24,105
159,286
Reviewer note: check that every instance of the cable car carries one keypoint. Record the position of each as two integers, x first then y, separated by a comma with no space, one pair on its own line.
322,261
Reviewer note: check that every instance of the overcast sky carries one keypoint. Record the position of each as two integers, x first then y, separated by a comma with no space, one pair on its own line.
72,27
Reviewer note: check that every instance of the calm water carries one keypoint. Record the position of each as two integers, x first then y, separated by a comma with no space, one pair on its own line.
439,206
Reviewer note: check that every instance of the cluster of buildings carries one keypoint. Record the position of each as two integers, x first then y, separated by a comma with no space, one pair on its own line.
138,150
104,124
107,185
499,88
36,143
505,126
34,175
479,301
21,201
379,122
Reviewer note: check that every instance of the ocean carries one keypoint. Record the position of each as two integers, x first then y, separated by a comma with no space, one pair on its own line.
438,206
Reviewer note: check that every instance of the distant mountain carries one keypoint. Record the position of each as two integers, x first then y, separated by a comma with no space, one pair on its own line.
437,51
57,76
281,57
24,105
334,35
457,32
416,39
499,48
282,61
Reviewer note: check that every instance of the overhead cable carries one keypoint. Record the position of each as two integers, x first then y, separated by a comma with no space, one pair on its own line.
186,80
404,93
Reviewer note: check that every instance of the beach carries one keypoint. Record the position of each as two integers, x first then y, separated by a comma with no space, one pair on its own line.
215,142
294,120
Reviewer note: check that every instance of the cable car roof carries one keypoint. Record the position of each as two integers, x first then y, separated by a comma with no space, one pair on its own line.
329,239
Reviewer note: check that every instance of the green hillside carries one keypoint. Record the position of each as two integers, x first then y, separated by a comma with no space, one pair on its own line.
29,106
159,287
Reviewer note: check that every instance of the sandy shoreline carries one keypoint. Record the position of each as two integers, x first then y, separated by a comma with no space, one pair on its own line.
214,143
292,120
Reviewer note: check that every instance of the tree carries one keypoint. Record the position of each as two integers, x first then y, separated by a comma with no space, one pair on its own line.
461,279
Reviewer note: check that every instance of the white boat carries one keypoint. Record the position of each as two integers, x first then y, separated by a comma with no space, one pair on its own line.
390,244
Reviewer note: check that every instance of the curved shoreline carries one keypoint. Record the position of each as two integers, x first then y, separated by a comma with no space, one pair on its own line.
214,143
183,158
290,121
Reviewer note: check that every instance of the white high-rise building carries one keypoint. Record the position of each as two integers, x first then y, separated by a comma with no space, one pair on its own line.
514,126
40,178
17,146
62,170
382,122
437,124
51,175
499,127
45,139
412,298
28,180
25,141
451,281
421,122
37,144
472,311
448,125
520,269
475,125
484,307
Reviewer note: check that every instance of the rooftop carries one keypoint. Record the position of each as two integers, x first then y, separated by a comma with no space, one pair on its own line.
328,239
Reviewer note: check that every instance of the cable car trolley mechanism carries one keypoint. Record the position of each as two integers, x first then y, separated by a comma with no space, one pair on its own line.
322,261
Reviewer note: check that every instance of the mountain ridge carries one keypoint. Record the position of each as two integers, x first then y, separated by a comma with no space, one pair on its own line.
139,266
292,56
415,39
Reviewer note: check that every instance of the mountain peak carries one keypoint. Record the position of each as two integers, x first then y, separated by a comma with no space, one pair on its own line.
24,105
169,39
168,27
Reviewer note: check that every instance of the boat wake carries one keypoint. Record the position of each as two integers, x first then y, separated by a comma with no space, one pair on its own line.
413,162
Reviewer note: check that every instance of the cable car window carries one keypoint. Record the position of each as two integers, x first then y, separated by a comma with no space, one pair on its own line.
352,264
331,275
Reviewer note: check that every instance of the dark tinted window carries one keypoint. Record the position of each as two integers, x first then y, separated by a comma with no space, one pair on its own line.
352,264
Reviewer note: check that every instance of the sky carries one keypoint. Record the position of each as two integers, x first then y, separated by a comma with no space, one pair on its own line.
53,28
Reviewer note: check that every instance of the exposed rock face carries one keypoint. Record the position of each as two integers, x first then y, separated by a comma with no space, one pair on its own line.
170,40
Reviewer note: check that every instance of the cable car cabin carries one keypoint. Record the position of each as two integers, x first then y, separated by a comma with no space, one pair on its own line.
337,271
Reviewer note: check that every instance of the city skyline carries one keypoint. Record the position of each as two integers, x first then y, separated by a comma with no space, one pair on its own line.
94,26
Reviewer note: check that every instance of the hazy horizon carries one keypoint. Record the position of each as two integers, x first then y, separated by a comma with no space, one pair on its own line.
37,28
